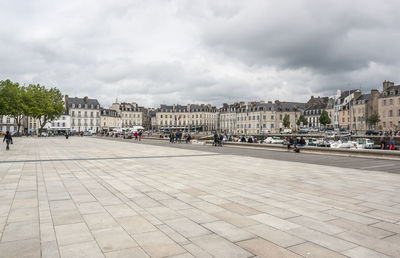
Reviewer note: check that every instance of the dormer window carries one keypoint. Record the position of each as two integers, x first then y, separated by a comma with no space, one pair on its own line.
91,106
79,105
73,105
85,105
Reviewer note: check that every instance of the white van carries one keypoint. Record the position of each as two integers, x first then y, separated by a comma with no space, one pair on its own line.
287,130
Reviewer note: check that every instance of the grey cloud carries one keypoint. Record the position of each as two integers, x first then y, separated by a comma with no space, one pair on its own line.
168,52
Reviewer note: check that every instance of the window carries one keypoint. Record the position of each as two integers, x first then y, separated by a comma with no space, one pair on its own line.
384,102
390,113
390,101
272,117
264,117
8,120
272,126
264,125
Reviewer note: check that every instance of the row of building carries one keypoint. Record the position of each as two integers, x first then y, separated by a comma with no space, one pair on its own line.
347,110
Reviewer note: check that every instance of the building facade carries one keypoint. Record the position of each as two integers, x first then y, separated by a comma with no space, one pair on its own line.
61,125
191,117
8,124
131,114
341,108
84,113
293,110
389,107
109,120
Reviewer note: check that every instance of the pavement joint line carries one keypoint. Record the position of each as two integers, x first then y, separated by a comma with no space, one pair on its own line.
113,158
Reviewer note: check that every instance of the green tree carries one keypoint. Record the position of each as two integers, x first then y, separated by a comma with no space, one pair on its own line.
47,104
14,101
286,121
324,118
303,119
373,119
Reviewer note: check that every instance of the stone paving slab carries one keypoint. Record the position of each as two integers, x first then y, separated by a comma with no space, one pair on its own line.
87,197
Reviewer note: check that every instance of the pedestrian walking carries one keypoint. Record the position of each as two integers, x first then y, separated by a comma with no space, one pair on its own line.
188,138
383,143
392,144
8,140
136,135
140,135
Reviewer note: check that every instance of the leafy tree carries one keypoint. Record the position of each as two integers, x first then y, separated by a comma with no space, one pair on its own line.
324,118
286,121
47,106
373,119
14,101
303,119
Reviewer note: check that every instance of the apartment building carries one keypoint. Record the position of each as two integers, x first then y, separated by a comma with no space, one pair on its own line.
256,118
389,107
314,109
109,120
131,114
8,124
227,118
292,109
341,108
84,113
60,125
191,117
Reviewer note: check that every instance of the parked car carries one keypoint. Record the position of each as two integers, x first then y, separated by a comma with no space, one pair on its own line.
364,143
344,144
44,134
304,131
372,132
313,142
287,130
87,133
273,140
265,132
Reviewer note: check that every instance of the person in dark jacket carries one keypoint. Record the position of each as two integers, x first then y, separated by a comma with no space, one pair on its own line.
8,140
383,143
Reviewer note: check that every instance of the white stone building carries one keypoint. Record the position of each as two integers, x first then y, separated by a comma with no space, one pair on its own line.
84,113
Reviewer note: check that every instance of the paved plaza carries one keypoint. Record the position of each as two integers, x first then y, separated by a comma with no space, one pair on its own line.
90,197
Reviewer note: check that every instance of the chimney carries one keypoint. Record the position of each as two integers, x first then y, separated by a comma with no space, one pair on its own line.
387,84
357,94
269,102
262,102
86,99
66,100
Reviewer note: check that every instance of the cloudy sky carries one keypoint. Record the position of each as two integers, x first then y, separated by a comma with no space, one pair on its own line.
216,51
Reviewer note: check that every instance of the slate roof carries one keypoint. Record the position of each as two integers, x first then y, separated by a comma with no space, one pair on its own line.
82,102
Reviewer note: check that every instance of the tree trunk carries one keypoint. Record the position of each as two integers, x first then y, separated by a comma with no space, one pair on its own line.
42,124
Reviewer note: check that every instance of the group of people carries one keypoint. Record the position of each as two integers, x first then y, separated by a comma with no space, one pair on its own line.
176,137
249,140
388,145
218,139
